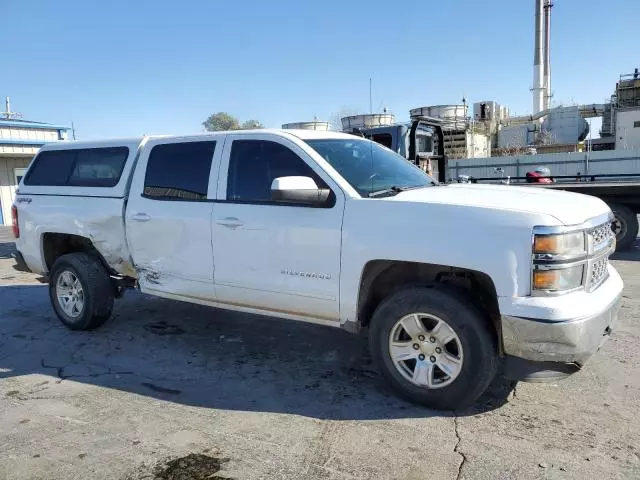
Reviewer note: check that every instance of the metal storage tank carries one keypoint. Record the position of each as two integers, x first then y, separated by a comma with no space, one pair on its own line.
369,120
565,125
314,125
454,116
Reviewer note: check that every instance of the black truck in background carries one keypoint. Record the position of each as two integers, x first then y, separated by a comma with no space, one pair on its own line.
420,141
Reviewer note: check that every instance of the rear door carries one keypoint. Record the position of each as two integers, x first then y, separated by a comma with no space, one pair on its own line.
168,216
276,257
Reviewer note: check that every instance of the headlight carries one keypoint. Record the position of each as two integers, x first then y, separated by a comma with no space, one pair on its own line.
555,257
560,245
559,279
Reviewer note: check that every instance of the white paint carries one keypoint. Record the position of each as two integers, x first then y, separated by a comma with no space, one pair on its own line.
170,241
568,208
298,262
293,183
627,134
271,238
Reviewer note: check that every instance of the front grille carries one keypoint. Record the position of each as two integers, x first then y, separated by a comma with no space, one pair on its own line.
598,273
600,236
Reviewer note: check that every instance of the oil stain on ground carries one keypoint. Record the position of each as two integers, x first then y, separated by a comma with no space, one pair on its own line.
163,328
195,466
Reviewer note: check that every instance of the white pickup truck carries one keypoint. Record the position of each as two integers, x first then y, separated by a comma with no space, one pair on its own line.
449,280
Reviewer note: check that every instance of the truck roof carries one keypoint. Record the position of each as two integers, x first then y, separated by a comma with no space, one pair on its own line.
113,142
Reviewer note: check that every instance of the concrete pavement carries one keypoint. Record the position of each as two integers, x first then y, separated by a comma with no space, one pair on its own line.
280,399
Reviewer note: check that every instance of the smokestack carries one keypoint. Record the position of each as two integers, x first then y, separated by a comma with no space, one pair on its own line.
547,53
538,86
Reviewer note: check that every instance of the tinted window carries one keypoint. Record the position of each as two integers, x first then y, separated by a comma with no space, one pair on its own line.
254,164
89,167
51,168
179,171
383,139
98,167
423,144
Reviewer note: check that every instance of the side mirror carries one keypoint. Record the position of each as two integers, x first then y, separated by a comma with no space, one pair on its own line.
298,190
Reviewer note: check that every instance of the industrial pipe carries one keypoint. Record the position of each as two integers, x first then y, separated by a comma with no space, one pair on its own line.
538,86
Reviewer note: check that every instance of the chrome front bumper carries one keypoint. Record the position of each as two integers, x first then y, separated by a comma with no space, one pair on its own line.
569,341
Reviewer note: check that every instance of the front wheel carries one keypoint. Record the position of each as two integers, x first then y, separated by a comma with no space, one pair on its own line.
81,291
434,347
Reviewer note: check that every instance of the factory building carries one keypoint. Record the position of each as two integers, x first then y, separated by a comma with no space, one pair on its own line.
621,118
19,142
464,137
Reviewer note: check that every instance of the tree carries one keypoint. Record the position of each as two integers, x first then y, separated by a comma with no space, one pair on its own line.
221,121
251,124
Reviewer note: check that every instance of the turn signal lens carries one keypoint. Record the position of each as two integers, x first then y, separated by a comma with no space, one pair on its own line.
558,280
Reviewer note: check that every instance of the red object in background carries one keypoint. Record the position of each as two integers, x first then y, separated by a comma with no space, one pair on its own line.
535,177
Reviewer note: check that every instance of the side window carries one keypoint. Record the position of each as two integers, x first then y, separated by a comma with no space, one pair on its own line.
254,164
51,168
179,171
383,139
87,167
423,144
98,167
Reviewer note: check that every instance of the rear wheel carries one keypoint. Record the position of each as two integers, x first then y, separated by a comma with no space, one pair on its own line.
434,347
81,291
624,225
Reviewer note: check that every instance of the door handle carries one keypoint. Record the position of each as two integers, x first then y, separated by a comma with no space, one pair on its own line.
229,222
140,217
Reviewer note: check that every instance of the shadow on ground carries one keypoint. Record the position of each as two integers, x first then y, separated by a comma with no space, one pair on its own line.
7,245
6,249
206,357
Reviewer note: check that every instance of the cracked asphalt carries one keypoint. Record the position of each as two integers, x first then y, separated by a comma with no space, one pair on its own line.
281,399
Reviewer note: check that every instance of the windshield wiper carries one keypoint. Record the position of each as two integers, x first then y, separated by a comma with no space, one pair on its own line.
393,190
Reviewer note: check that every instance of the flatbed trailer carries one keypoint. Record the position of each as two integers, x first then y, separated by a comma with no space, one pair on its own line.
620,191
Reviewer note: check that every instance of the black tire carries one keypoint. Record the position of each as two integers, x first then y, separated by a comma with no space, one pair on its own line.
98,290
628,226
478,339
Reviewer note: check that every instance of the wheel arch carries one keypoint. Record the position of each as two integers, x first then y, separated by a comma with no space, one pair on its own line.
55,244
381,278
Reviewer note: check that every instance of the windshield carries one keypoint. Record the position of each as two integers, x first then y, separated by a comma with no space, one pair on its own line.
370,168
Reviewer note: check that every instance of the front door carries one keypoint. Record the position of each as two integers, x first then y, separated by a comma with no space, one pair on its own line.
168,217
271,256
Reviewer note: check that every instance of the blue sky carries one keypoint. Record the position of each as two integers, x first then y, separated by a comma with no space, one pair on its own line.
125,67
